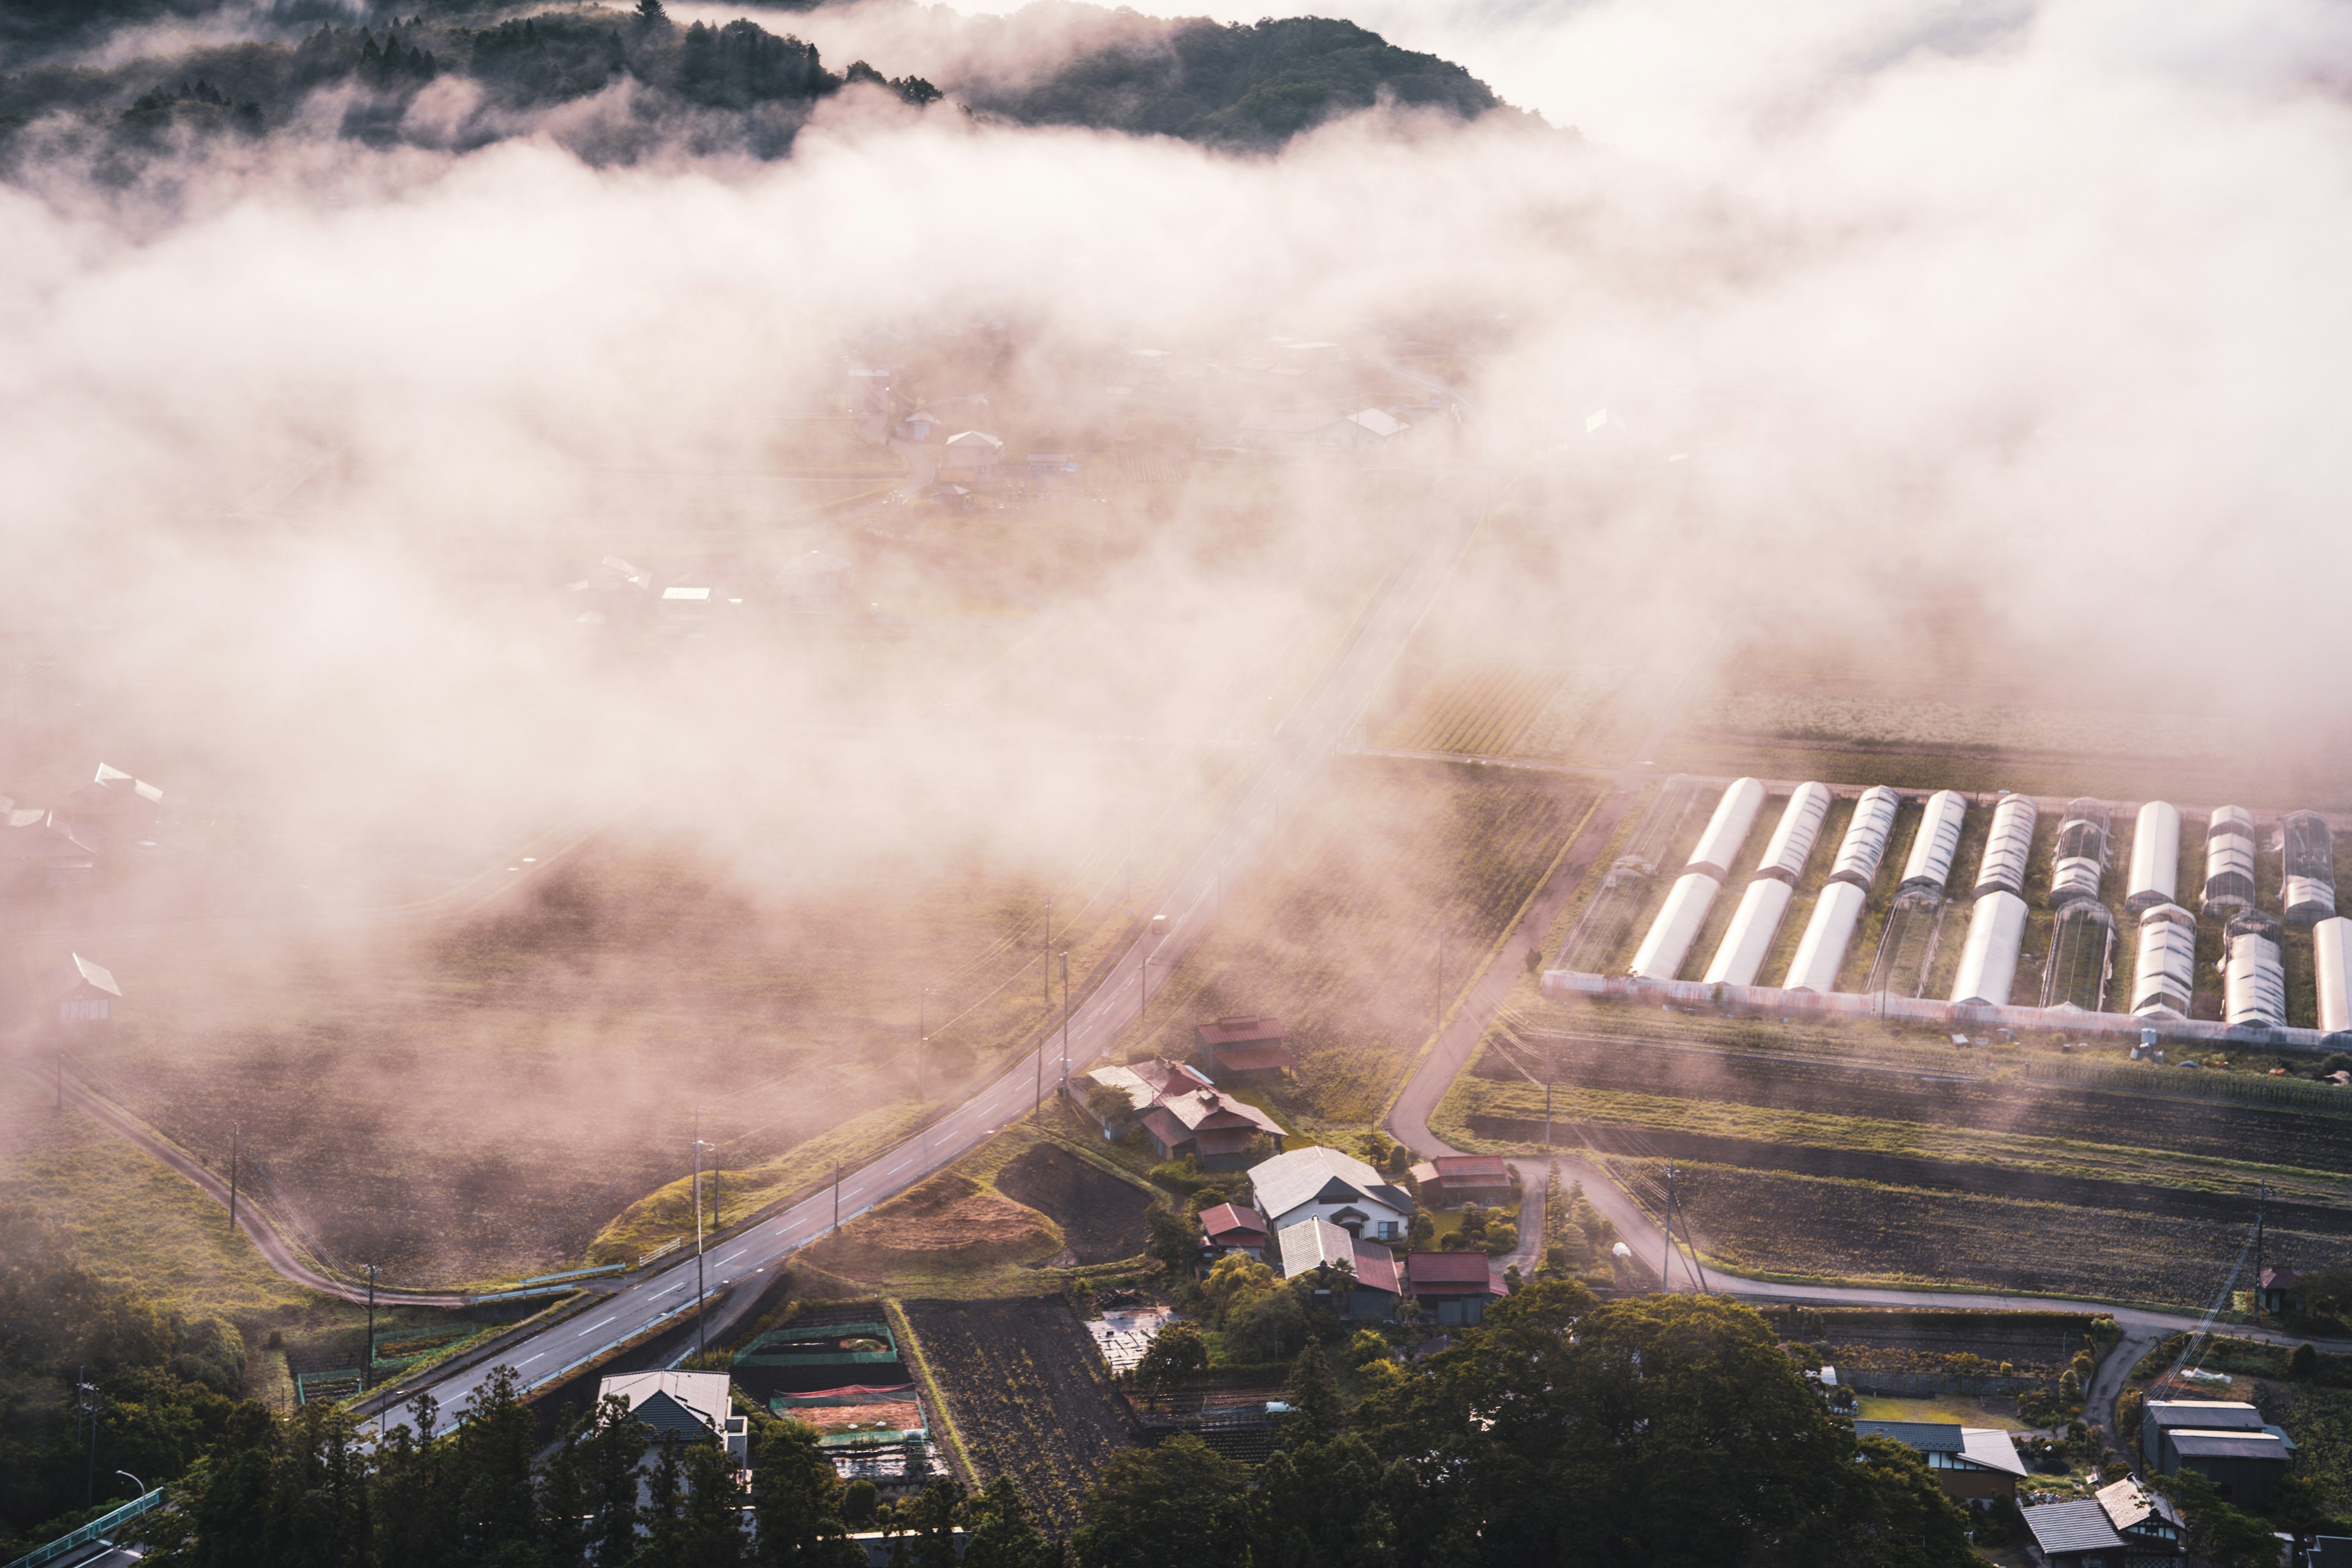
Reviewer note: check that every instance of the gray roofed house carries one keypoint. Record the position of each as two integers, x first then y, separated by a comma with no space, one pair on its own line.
1313,1246
1317,1183
2143,1517
682,1404
1970,1463
84,992
2074,1535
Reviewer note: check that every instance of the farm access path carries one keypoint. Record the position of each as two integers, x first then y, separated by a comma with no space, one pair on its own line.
1305,739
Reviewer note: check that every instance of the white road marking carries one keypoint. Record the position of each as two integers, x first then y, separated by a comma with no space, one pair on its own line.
734,1255
527,1360
602,1322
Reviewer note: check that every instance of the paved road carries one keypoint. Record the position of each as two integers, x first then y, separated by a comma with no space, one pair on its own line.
1302,741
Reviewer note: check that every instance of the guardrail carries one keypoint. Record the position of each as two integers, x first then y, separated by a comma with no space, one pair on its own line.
532,1294
664,1250
573,1274
97,1528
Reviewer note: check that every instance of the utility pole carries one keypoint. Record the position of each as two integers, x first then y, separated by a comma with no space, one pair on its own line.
86,1404
370,1365
1546,1110
701,1339
1441,980
1065,1018
1665,1259
923,1040
1045,960
232,1180
837,1195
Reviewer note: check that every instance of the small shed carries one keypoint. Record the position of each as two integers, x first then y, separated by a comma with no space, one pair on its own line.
1452,1179
85,994
1243,1049
1235,1228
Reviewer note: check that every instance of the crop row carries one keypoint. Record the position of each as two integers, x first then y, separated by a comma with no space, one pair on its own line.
1029,1395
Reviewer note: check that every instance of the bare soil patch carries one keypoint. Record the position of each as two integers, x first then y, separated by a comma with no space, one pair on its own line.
1101,1216
948,1223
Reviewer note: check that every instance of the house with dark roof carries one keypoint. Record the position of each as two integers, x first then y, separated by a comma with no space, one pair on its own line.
682,1407
2274,1291
2124,1526
1317,1183
115,809
2226,1441
1354,1278
45,850
1243,1050
1232,1227
1449,1181
1453,1288
1220,1132
1971,1464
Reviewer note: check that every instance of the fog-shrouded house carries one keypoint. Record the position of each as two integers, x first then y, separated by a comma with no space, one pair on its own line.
1317,1183
1243,1050
1449,1181
84,993
1182,1113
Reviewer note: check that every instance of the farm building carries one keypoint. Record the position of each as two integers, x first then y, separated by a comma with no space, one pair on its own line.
1357,1280
1232,1227
2331,954
1749,935
85,994
1453,1288
1243,1049
2082,956
692,1406
1971,1464
115,804
810,1358
1726,830
1930,868
1453,1179
1317,1183
2226,1441
2253,974
2165,977
1220,1132
2007,848
1668,943
2155,857
1791,844
972,455
1821,953
1989,961
1864,843
2229,860
2078,855
1146,1082
2306,867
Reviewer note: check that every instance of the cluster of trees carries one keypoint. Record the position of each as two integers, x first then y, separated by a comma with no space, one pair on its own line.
304,1493
1494,1231
1576,1236
1245,87
161,1386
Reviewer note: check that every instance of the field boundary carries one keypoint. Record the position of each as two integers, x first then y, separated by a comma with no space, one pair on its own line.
1478,972
904,1327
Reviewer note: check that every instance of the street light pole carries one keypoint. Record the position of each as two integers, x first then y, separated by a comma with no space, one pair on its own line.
1065,1018
1046,953
370,1366
701,1337
232,1180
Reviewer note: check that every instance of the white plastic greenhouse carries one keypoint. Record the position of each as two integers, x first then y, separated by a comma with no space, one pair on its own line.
2007,848
2306,867
1660,955
1741,954
1791,844
1726,830
1989,961
1864,843
2254,976
1939,839
2155,857
2164,976
2331,952
2078,855
2230,859
1820,952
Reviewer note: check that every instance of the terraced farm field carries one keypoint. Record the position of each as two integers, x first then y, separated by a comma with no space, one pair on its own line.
1028,1394
1858,1153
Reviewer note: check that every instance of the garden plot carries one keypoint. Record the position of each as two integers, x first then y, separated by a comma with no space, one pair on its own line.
1122,1337
1028,1395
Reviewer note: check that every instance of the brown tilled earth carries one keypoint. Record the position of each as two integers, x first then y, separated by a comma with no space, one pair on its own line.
1102,1217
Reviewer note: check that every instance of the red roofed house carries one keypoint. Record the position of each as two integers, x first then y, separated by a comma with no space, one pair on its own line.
1242,1050
1452,1179
1316,1247
1221,1132
1454,1288
1231,1228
